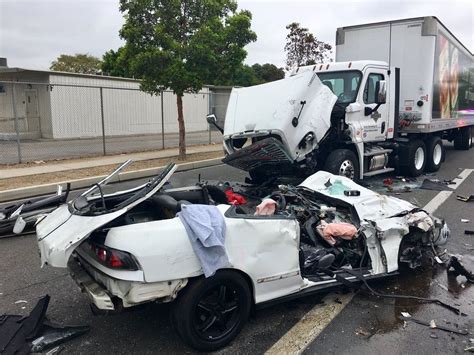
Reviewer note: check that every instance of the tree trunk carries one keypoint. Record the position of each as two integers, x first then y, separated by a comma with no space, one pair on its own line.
182,131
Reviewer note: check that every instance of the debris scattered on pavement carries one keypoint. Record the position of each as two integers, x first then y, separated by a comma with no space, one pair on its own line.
433,325
469,349
362,332
34,333
456,268
442,286
435,185
465,198
464,220
469,232
433,335
21,301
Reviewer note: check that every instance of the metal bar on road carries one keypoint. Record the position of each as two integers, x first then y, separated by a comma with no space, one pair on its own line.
102,118
162,122
16,122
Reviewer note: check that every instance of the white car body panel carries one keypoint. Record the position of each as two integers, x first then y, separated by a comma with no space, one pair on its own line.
251,245
273,105
380,209
61,232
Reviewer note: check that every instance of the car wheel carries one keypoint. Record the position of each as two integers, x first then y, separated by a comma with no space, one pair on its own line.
343,162
210,312
463,139
413,158
435,152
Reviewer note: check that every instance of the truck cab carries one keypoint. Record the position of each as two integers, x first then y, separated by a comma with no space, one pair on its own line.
322,117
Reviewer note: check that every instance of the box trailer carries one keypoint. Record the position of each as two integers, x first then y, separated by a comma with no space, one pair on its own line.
437,71
396,91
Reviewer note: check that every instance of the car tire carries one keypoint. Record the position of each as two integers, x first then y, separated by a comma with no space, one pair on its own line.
435,152
413,158
463,139
343,162
210,312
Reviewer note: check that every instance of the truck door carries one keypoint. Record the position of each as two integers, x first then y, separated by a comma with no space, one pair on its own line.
374,126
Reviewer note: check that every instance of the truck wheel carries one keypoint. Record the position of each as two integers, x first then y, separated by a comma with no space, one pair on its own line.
343,162
463,139
413,158
212,311
435,152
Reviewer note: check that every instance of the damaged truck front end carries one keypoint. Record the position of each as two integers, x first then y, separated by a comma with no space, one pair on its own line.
275,128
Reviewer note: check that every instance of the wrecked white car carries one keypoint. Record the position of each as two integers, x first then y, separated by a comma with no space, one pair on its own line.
130,247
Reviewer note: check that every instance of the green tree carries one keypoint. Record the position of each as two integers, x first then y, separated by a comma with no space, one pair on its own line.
116,63
267,72
252,75
77,63
184,44
303,48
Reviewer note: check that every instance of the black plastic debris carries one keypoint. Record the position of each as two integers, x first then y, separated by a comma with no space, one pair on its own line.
34,333
465,198
469,232
456,268
430,324
434,185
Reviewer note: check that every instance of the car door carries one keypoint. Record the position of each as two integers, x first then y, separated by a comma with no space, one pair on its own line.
375,125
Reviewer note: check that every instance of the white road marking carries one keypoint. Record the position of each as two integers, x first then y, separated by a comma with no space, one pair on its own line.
444,195
303,333
310,326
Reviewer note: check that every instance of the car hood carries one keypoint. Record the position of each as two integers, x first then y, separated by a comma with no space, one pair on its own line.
62,231
369,205
272,106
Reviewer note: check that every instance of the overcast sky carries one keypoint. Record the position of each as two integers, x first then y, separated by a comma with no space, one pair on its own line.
35,32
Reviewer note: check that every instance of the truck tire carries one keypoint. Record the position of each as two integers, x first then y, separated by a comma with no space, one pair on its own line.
210,312
343,162
463,139
413,158
435,152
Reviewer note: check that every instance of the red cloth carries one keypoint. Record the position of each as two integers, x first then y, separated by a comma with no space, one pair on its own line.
235,199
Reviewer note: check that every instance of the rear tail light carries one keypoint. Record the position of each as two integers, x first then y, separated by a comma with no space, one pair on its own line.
112,258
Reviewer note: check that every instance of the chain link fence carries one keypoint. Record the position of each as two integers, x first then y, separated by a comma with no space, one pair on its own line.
40,121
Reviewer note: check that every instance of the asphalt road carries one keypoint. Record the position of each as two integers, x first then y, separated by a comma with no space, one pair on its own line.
367,325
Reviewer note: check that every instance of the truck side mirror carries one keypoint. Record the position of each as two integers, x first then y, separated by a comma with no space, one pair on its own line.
381,92
212,120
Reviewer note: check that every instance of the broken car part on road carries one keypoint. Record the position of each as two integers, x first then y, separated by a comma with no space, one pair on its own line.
34,333
21,218
129,247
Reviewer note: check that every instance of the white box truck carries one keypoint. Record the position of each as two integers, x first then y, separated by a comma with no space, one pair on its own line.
396,91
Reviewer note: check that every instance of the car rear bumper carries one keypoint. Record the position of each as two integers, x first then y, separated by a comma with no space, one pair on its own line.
96,293
101,289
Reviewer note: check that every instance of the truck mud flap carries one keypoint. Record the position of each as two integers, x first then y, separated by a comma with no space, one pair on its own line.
263,155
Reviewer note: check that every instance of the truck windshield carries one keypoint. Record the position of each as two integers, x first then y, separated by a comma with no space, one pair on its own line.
344,84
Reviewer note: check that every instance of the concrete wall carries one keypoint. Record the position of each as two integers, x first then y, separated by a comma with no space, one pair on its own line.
29,127
76,110
69,106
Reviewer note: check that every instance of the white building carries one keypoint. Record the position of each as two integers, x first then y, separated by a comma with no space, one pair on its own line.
59,105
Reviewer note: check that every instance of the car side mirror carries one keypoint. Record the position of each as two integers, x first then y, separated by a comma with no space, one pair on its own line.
381,92
212,120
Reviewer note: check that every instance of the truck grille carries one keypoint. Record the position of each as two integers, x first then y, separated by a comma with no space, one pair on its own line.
267,153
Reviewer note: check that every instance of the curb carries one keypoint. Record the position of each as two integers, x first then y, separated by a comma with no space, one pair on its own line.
31,191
